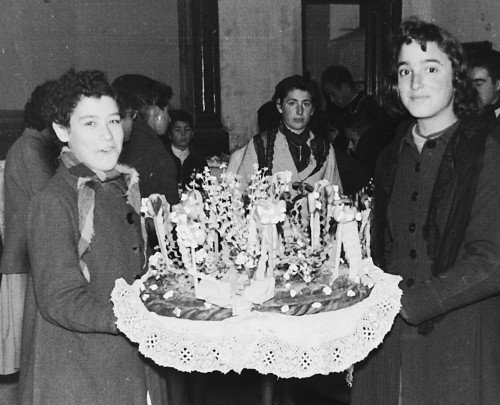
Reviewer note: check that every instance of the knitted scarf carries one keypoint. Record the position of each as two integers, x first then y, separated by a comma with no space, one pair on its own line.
87,182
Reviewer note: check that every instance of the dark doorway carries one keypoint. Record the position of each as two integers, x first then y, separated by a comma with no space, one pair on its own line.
354,33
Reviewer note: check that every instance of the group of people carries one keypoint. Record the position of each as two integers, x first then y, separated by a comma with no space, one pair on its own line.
73,218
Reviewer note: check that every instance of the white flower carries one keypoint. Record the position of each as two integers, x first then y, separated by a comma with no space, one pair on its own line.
156,259
293,293
286,275
285,308
168,294
351,293
177,312
288,285
307,278
316,305
145,297
241,259
153,287
250,264
200,256
327,290
284,177
269,212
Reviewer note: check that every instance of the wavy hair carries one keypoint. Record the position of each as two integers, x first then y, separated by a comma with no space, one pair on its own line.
414,29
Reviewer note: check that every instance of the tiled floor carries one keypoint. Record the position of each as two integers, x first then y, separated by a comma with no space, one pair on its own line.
245,389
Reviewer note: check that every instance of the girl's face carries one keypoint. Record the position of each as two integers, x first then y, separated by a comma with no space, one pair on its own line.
95,133
425,82
296,109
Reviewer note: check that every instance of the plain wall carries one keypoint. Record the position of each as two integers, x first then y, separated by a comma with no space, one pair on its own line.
468,20
40,40
260,44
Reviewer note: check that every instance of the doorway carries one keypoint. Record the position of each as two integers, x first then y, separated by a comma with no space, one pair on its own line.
354,33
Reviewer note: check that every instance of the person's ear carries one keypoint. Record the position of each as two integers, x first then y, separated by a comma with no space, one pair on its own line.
497,85
278,106
61,131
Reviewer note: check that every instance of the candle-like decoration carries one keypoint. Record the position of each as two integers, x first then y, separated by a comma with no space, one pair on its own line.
193,271
347,234
155,207
338,250
312,201
268,213
338,236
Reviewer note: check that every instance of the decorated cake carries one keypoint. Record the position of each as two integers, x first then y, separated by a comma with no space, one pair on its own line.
225,251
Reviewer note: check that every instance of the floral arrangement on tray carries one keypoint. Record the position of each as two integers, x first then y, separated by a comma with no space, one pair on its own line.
234,249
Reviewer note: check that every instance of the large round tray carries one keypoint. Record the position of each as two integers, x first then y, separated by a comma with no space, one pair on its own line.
287,346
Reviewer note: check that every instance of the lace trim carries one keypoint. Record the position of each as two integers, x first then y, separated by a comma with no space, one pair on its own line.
287,346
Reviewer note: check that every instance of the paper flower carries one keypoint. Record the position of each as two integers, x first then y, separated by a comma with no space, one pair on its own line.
269,212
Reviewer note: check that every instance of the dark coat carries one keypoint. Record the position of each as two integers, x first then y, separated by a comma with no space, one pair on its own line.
30,163
447,348
194,163
146,153
72,352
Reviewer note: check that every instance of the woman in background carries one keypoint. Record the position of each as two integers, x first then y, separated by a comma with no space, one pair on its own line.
30,163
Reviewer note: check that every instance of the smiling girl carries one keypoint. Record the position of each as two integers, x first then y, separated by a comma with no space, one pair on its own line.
436,224
83,233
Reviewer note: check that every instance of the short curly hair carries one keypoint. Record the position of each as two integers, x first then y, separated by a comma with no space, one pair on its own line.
414,29
68,91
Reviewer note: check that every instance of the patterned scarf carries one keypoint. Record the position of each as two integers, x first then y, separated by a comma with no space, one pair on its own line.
87,181
299,149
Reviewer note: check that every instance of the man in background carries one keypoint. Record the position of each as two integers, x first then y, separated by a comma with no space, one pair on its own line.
346,100
180,133
144,104
485,75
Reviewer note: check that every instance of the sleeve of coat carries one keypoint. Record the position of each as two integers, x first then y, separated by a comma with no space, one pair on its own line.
62,293
476,273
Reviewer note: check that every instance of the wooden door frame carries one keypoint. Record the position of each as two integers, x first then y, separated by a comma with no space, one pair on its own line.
380,19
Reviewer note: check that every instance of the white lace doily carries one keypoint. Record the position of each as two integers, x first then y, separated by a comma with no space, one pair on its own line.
287,346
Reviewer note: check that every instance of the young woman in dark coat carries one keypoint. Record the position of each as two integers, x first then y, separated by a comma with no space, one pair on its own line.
436,223
83,234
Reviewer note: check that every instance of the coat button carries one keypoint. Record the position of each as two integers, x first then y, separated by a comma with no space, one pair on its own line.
414,196
431,144
410,282
130,219
413,254
412,227
417,167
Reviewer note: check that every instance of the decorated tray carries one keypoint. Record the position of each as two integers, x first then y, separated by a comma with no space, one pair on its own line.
162,297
